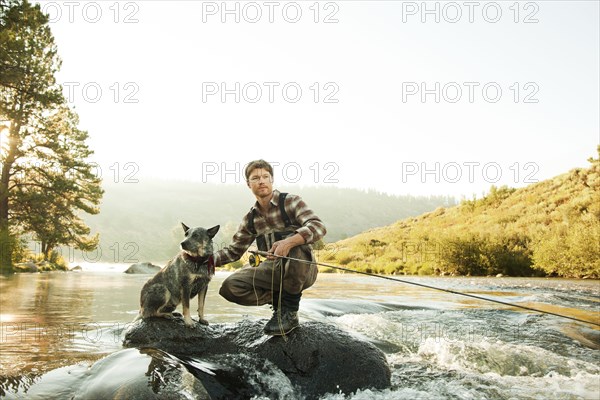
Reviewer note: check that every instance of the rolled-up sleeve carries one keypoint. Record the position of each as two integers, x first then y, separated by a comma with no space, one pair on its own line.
311,227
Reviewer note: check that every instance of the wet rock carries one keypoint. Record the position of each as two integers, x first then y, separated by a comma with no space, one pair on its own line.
317,358
76,268
143,268
324,358
126,374
26,267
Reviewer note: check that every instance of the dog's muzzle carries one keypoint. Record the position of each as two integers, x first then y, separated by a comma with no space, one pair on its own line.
185,246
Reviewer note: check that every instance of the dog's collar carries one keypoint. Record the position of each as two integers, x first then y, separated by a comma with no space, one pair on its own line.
196,259
208,260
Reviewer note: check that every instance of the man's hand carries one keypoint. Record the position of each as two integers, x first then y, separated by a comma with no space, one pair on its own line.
282,247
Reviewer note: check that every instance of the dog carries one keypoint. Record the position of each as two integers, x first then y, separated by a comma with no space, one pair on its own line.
184,277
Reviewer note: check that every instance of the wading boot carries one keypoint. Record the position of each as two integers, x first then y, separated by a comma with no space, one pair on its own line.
282,323
289,322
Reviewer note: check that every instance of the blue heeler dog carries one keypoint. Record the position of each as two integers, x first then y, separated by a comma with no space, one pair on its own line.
184,277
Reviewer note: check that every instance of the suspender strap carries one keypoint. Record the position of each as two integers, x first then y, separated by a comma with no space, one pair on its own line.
286,218
261,243
251,227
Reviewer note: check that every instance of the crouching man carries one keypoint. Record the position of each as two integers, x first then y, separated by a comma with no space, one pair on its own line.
283,225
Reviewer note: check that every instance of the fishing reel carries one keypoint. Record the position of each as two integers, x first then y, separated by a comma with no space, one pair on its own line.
254,260
255,257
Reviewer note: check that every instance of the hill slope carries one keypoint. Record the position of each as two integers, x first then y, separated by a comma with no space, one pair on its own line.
548,228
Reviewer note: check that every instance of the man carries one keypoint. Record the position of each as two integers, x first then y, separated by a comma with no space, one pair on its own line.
283,225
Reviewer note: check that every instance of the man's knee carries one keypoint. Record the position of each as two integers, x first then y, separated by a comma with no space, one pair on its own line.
299,276
302,252
225,292
236,290
231,288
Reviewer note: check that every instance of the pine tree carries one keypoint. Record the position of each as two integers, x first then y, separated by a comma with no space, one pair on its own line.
45,178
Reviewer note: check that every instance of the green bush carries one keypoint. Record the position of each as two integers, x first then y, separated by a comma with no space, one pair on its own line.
570,251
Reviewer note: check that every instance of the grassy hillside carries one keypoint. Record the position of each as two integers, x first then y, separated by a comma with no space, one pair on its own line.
548,228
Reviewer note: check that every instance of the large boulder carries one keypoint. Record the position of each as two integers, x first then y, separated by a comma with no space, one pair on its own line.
316,358
143,268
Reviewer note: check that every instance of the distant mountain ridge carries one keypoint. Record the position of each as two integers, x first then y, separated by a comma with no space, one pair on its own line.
140,221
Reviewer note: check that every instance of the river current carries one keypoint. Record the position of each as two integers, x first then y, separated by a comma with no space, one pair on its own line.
438,345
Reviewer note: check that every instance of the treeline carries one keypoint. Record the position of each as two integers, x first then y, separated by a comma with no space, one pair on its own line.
551,228
140,221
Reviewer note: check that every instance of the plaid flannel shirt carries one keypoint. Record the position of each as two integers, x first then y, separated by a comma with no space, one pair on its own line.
304,221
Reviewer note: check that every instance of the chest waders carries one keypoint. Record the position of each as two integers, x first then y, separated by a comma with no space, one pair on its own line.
266,240
285,301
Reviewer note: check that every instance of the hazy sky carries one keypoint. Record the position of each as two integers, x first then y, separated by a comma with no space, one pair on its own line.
374,94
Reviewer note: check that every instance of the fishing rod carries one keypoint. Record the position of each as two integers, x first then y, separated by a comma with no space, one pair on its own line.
256,261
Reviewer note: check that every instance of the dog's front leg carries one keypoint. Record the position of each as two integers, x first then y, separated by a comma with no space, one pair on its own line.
201,298
185,299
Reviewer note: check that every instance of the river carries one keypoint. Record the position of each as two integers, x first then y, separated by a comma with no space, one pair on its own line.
439,345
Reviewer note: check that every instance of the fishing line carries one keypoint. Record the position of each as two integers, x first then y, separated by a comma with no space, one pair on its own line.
254,287
264,253
278,263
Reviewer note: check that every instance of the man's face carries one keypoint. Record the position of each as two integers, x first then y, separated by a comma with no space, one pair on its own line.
260,182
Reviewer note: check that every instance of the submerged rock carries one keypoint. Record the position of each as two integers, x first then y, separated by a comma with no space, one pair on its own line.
130,374
316,358
26,267
143,268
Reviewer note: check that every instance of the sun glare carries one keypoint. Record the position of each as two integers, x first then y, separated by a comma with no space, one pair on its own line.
3,135
7,318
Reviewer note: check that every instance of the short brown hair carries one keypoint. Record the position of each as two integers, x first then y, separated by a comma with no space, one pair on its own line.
256,164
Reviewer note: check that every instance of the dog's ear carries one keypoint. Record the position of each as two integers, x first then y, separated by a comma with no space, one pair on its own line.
213,231
185,227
